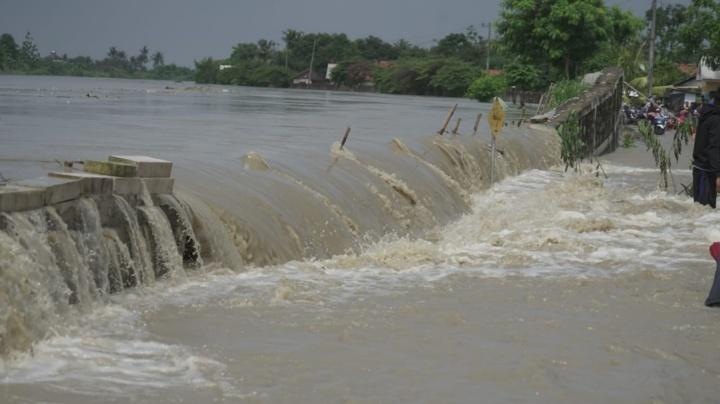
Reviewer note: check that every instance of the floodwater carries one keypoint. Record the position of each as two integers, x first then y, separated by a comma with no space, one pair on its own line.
550,287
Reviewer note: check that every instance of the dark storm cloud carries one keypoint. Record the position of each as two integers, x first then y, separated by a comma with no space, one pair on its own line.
186,29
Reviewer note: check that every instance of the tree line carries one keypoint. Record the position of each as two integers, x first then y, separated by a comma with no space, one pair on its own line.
26,59
538,42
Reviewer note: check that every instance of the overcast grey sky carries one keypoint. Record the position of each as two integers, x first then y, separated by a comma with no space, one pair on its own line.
188,29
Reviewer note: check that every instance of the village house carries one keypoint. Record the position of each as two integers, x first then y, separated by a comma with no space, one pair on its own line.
703,81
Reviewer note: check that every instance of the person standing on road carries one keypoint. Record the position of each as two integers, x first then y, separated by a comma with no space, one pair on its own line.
706,154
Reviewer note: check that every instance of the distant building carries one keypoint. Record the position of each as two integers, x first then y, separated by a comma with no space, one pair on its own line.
702,82
223,67
328,72
304,78
708,79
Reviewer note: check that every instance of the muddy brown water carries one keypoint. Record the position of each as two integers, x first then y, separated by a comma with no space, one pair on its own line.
554,287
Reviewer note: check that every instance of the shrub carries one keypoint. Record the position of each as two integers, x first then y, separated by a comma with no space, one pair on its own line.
487,87
565,90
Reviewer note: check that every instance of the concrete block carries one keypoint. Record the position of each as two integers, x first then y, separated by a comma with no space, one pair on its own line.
56,189
159,185
92,184
110,168
133,186
147,167
127,186
15,198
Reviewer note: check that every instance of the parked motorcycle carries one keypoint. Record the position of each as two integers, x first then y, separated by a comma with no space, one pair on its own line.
632,115
659,123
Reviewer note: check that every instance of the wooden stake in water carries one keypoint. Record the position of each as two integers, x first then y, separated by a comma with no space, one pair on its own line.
477,123
345,138
457,127
449,116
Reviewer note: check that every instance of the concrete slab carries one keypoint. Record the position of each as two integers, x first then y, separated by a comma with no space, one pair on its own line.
147,167
15,198
92,184
56,189
128,186
110,168
159,185
134,186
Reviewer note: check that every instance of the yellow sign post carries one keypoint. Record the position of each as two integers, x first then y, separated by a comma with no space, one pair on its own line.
496,118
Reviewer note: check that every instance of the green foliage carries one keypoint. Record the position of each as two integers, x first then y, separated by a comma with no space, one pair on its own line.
669,22
562,33
623,27
453,79
468,46
206,71
666,73
565,90
487,87
682,136
172,72
158,59
701,34
408,76
25,59
29,57
628,140
328,48
524,76
662,161
374,48
572,148
352,73
9,52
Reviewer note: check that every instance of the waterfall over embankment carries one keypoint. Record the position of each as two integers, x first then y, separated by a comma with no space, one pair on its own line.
66,257
340,200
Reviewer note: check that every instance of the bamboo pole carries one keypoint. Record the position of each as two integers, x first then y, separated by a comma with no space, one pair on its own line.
449,116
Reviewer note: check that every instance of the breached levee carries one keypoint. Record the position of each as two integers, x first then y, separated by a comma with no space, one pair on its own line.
128,228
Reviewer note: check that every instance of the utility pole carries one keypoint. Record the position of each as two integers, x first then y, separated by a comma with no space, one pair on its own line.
487,45
312,60
651,61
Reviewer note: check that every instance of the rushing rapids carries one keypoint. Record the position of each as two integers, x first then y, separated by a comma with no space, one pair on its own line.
68,257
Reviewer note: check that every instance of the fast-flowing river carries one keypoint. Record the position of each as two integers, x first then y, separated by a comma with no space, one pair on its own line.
548,287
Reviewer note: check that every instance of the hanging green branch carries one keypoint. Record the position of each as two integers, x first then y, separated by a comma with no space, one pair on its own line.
573,147
662,161
682,135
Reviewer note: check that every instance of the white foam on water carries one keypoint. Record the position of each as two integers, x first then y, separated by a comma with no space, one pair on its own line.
538,224
109,355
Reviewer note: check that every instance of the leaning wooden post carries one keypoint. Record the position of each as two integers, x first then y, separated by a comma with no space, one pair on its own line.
457,126
345,137
477,123
449,116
